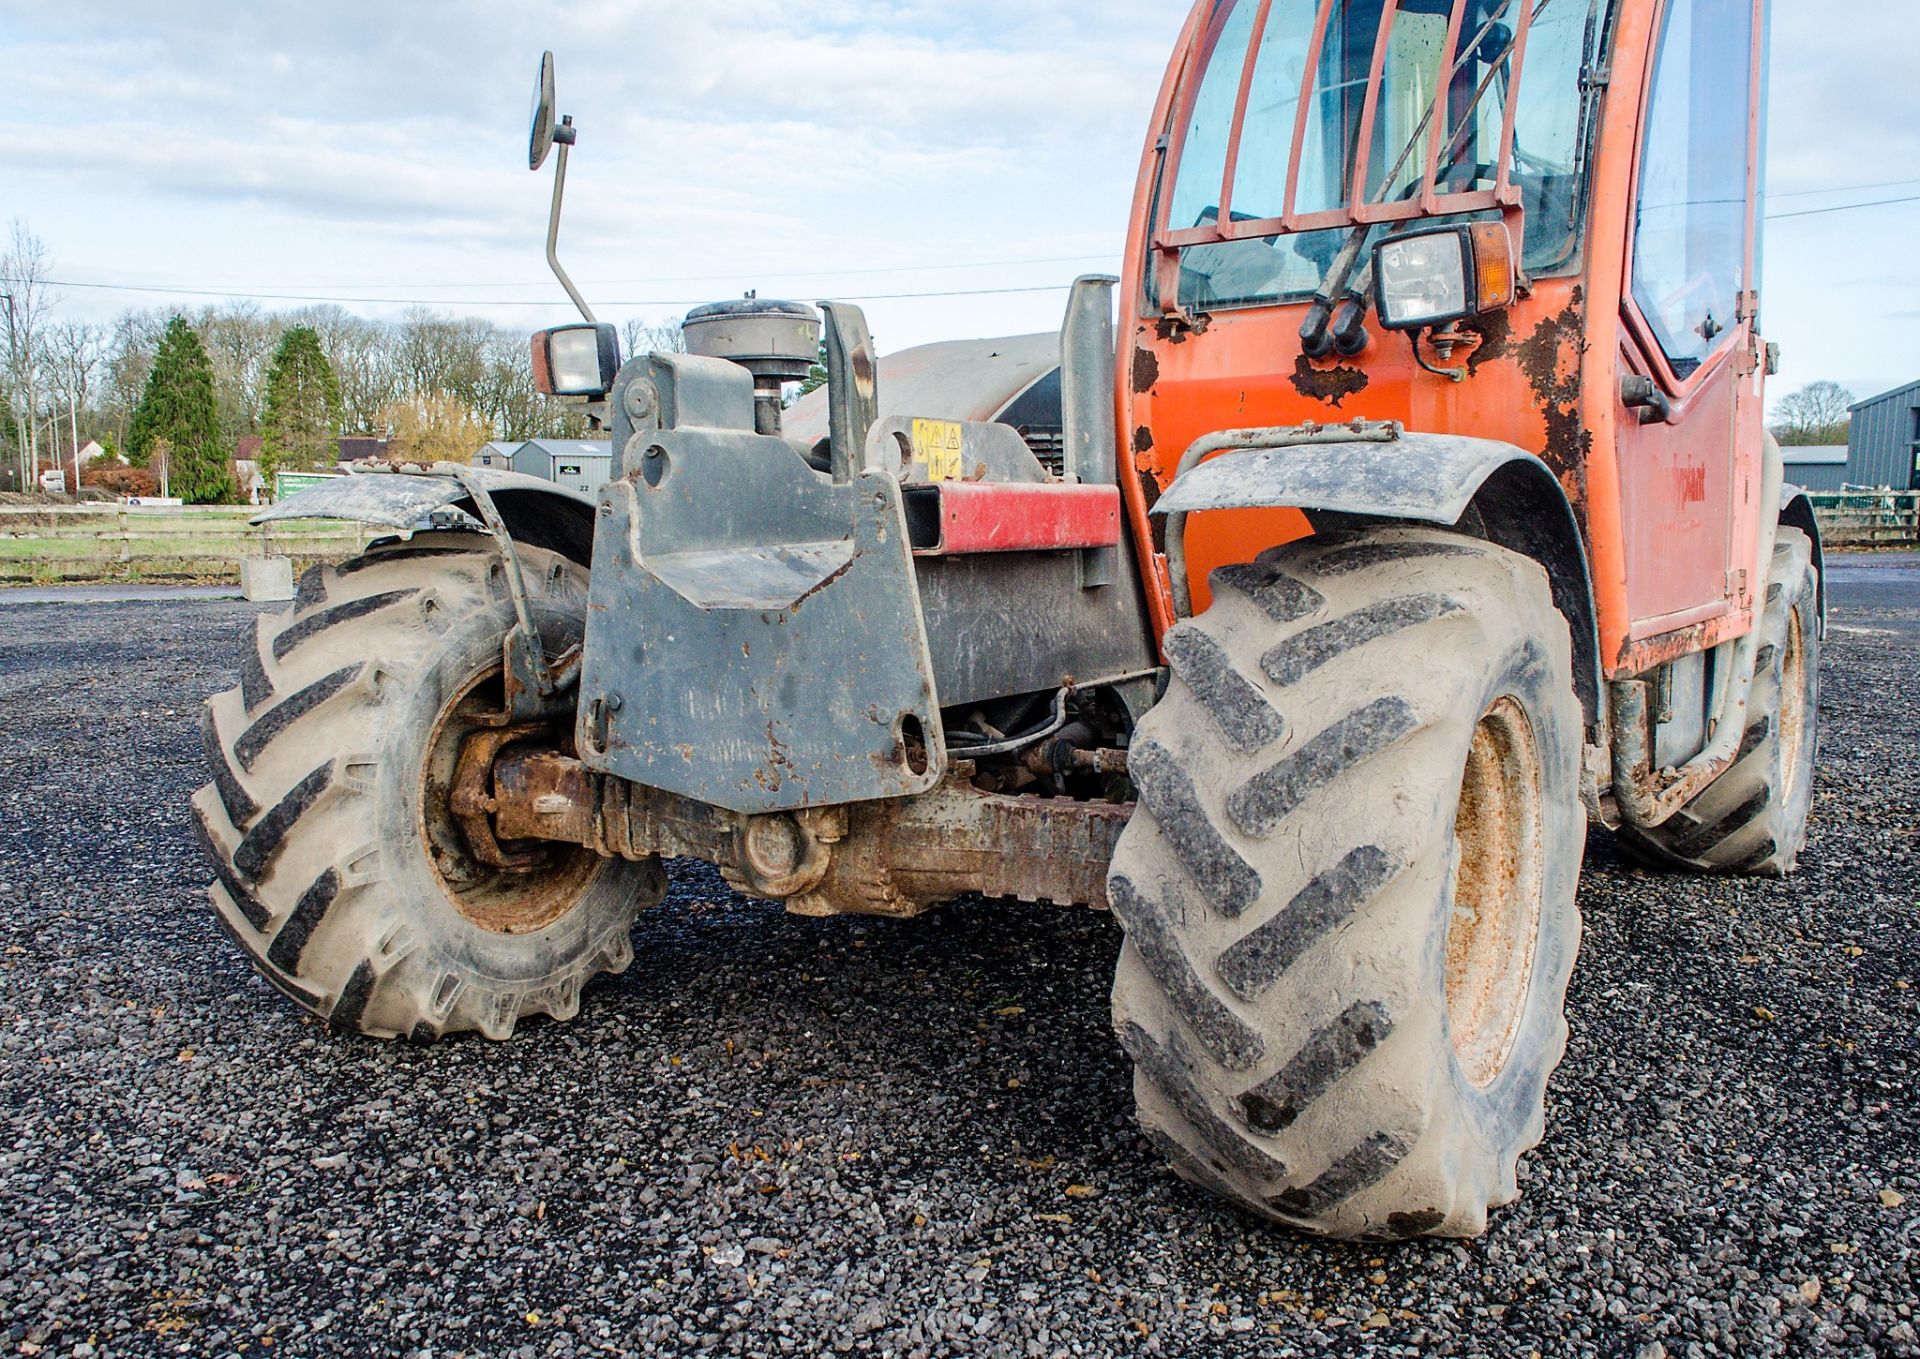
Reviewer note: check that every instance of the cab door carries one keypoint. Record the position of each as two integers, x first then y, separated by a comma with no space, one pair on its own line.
1690,440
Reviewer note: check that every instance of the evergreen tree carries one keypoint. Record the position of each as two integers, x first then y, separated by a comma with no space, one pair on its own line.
302,423
817,375
178,408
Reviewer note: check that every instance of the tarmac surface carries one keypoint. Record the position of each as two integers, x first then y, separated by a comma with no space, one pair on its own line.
112,594
782,1136
1876,590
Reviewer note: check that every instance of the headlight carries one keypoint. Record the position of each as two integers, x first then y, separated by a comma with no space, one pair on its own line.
1432,277
576,360
1422,279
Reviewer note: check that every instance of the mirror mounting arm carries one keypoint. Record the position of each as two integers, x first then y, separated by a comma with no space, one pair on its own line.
564,136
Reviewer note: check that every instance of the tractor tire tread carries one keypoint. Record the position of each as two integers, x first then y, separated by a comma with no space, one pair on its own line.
1274,992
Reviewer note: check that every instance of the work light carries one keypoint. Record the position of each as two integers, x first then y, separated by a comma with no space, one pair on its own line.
580,360
1428,278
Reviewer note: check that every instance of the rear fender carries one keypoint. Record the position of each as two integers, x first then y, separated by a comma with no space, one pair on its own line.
1490,489
537,513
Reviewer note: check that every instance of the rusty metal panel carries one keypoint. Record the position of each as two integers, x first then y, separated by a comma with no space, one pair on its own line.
754,638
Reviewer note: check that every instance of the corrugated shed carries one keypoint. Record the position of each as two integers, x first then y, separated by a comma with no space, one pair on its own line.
1817,477
1816,467
1884,446
583,465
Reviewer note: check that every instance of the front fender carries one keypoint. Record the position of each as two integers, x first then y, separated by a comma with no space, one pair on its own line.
1515,501
1431,478
537,513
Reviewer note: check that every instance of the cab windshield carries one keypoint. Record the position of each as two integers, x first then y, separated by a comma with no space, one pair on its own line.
1309,116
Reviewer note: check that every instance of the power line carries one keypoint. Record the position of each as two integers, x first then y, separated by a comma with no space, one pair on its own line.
1842,207
1843,188
714,278
236,295
492,302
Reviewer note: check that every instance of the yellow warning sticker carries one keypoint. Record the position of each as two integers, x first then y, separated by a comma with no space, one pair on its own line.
937,448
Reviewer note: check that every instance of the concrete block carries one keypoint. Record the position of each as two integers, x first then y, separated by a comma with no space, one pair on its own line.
266,580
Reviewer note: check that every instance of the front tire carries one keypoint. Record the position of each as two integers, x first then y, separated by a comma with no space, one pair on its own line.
1349,887
340,873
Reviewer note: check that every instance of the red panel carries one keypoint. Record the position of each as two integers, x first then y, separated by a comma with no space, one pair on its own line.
985,517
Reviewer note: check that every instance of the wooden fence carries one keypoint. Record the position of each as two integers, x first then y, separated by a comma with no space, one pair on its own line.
1868,518
50,544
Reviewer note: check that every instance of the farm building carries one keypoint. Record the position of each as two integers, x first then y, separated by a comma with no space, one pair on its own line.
1884,448
1821,467
582,465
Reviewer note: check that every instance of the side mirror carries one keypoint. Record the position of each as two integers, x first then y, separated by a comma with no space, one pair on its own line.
576,361
540,140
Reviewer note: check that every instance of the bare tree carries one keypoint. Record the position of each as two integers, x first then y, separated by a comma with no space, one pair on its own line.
26,300
637,337
240,341
75,351
130,349
1820,413
442,354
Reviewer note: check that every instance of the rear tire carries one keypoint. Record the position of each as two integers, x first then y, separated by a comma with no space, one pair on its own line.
1349,887
339,873
1753,818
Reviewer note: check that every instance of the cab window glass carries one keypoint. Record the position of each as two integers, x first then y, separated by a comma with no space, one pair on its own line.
1266,142
1334,105
1689,256
1549,131
1203,155
1410,77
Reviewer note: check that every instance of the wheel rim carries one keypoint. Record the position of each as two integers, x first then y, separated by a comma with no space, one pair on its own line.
1497,891
1793,702
499,901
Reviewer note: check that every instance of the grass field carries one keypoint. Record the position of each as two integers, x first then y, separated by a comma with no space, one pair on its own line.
46,545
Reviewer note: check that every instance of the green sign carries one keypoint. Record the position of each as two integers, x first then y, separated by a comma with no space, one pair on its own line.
292,483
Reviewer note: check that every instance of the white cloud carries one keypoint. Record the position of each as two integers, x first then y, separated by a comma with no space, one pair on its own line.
211,142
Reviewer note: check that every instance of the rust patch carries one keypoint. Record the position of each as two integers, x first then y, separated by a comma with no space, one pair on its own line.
1495,330
1551,360
1178,329
1143,439
1150,491
1331,385
833,579
1146,369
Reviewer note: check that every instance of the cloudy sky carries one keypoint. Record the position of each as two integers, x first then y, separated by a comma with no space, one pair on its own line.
374,154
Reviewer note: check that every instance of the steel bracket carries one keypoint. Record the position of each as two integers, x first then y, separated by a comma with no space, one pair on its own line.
534,688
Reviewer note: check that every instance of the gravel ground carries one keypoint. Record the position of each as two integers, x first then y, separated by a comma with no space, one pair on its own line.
779,1136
